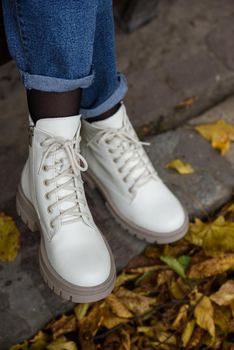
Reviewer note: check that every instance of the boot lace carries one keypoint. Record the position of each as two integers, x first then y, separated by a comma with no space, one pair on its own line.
69,166
128,155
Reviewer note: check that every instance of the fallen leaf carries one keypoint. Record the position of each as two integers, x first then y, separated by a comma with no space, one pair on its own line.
187,332
9,238
225,294
180,166
22,346
175,264
109,320
90,323
117,307
212,267
222,318
123,278
62,344
125,340
187,102
204,314
216,238
81,310
219,133
135,302
63,325
195,339
175,290
181,316
164,276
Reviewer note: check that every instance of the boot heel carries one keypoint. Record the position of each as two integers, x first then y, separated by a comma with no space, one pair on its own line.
26,211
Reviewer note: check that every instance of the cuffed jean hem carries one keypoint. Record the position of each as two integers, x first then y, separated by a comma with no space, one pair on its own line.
113,100
51,84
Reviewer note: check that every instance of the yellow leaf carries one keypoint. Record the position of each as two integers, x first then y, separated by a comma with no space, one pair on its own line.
62,344
65,324
164,276
219,133
181,317
124,277
125,340
176,290
180,167
90,323
21,346
204,314
216,238
225,294
187,332
109,320
39,341
212,267
80,310
134,302
9,238
117,307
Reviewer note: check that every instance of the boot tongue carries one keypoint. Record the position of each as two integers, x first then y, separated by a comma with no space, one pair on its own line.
64,126
113,122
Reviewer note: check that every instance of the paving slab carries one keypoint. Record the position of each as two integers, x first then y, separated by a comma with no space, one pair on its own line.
186,51
26,302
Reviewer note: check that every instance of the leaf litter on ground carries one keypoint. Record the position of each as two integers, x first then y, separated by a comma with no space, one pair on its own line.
177,296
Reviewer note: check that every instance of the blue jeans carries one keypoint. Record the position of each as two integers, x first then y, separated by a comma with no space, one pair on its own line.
62,45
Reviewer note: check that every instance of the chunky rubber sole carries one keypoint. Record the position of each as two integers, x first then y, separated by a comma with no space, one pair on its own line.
63,288
143,234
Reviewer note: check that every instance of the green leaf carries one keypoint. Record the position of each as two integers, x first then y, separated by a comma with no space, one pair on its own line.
174,264
184,260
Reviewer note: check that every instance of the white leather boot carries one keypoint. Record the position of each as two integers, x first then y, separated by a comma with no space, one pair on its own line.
121,170
75,260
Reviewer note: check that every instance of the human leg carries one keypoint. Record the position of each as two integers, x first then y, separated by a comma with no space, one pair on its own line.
44,39
118,164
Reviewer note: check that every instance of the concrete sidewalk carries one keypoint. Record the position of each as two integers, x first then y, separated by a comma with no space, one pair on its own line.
179,55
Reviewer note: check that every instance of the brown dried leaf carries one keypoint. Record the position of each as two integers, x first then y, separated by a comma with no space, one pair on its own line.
117,307
222,318
65,324
225,294
135,302
212,267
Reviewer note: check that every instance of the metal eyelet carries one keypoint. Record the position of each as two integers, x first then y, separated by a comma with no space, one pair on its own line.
50,210
47,196
51,225
45,168
45,182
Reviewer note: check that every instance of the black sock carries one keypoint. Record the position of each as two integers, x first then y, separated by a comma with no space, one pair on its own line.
43,104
